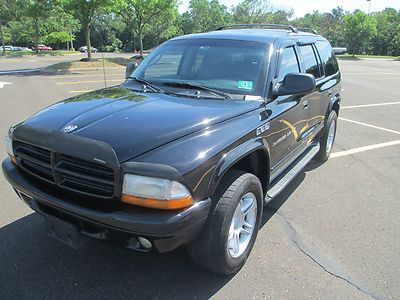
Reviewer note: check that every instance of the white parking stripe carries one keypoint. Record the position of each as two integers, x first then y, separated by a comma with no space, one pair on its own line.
369,125
370,105
364,148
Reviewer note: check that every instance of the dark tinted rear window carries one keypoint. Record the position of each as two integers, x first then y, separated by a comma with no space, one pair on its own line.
310,60
327,57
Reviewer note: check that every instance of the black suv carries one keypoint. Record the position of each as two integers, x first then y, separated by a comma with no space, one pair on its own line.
186,152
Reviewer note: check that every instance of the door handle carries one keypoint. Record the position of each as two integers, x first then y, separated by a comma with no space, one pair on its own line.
305,104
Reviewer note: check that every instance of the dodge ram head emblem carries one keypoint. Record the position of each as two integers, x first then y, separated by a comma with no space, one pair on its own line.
70,128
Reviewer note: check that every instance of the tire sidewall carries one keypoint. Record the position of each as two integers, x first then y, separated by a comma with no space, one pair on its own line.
253,185
324,139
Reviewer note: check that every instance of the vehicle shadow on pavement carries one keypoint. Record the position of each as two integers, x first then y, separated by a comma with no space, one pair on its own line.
35,266
277,202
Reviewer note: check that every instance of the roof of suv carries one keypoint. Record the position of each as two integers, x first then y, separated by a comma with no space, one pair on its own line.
253,35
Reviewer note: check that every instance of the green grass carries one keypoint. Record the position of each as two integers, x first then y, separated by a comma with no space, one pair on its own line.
357,56
33,53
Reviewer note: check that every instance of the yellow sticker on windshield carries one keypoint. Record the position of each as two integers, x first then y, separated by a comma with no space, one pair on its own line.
247,85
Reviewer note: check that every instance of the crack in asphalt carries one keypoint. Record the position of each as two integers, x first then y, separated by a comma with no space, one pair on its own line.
328,266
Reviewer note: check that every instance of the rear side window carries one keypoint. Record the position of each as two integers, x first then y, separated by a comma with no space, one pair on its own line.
328,58
289,63
310,60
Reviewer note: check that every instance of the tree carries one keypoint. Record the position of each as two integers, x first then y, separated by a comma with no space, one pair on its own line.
38,11
386,23
259,11
8,10
141,13
208,15
326,24
359,28
85,11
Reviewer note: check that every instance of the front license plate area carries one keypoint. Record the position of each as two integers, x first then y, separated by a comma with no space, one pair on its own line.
64,232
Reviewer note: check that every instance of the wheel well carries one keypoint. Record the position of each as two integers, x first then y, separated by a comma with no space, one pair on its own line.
255,163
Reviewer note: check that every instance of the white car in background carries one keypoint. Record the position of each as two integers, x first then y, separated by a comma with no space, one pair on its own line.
84,49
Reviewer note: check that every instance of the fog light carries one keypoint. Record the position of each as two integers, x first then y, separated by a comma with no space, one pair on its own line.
145,242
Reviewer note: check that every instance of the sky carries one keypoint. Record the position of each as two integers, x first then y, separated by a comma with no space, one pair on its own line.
301,7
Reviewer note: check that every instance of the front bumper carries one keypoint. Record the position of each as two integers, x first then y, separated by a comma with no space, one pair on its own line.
166,230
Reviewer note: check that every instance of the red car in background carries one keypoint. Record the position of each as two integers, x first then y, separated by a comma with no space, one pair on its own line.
42,48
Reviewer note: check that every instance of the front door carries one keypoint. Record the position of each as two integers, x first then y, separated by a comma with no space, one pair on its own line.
289,115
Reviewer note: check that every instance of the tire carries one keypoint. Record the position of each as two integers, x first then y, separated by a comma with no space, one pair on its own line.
328,137
222,248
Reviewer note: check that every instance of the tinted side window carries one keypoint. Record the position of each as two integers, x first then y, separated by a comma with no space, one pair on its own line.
309,60
289,63
327,57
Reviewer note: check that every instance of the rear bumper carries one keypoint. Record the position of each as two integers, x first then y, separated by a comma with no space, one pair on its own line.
166,230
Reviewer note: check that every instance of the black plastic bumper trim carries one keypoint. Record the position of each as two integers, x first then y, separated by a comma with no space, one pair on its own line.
180,227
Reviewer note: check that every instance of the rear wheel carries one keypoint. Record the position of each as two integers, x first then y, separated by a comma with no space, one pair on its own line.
232,227
328,138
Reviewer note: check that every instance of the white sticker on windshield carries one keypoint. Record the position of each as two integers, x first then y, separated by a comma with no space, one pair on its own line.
247,85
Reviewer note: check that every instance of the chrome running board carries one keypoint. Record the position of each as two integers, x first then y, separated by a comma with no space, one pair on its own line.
291,174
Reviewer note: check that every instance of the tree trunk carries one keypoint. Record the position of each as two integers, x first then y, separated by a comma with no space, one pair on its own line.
37,37
88,45
141,43
2,39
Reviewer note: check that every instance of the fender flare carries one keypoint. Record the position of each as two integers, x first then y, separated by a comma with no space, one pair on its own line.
233,156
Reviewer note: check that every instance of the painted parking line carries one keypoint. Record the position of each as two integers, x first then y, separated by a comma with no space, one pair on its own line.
369,125
370,105
88,81
86,75
83,91
364,148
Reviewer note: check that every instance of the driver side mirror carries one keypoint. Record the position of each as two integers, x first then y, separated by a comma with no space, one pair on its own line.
130,67
295,83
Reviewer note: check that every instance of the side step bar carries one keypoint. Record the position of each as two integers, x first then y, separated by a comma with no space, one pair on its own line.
291,174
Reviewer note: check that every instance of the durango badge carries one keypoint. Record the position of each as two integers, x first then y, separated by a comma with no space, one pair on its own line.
70,128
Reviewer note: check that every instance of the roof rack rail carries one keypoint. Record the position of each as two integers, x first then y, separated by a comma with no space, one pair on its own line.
307,29
272,26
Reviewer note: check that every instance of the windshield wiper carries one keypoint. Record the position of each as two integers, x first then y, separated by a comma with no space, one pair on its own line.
197,87
147,84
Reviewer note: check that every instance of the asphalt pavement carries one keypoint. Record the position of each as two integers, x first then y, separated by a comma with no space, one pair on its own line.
333,234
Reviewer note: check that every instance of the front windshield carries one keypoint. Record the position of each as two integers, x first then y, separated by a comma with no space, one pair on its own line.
232,66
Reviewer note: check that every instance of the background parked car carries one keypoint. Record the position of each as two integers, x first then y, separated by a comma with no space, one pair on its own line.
42,47
84,49
339,50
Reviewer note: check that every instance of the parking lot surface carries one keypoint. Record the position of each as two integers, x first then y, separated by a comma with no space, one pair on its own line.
333,234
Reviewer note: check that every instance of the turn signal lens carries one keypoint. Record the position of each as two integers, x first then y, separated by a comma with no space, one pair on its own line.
157,203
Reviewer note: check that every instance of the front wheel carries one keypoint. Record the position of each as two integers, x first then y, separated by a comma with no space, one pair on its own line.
328,138
232,227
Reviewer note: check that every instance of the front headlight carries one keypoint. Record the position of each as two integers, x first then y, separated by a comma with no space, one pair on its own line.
9,148
155,192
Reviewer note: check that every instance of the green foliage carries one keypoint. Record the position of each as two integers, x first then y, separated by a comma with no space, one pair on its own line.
113,25
387,25
57,37
260,11
208,15
140,14
359,29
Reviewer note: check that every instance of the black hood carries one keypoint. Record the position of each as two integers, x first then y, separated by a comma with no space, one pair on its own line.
134,123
